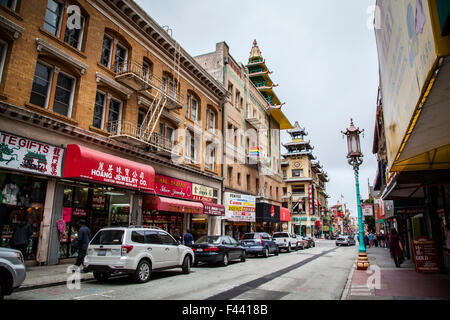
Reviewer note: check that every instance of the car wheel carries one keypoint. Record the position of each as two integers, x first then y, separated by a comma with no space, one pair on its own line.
1,290
289,248
266,252
243,257
143,271
277,250
101,276
186,265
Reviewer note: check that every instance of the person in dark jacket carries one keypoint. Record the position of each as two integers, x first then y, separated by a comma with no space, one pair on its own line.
21,237
188,238
396,248
83,239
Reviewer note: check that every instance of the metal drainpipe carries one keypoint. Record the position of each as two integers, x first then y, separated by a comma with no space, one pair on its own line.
223,139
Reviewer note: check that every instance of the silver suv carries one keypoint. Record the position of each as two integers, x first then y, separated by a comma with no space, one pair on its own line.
136,251
12,271
286,241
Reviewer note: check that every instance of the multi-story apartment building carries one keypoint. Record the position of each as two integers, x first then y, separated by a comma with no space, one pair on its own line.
304,185
251,162
103,117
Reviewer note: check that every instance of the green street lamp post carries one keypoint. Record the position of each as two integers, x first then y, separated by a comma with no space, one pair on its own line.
354,157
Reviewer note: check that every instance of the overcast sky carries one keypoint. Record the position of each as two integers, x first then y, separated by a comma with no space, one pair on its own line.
322,54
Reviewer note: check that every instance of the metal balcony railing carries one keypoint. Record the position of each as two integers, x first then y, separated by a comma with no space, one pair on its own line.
135,75
134,130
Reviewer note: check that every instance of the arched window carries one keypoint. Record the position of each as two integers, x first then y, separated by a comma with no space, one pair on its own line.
211,118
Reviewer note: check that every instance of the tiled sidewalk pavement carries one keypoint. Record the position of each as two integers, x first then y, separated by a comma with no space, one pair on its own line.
402,283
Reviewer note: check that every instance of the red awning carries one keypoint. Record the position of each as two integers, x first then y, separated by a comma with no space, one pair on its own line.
213,209
89,164
173,205
285,214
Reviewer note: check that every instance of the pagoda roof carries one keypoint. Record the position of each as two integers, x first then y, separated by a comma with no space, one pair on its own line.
297,143
298,129
300,153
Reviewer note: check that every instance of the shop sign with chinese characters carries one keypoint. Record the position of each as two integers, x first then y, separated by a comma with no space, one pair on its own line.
28,155
202,193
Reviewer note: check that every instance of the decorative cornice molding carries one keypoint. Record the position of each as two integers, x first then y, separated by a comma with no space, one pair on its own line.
100,77
12,27
43,45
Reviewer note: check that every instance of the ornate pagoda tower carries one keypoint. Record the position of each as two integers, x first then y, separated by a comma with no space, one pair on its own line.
259,75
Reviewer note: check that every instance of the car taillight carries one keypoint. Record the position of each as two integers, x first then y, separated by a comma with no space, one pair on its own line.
194,249
211,249
242,237
126,249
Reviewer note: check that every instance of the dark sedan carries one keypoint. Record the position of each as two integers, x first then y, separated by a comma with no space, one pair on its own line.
217,249
309,242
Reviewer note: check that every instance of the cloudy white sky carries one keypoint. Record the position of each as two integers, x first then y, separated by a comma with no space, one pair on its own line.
322,54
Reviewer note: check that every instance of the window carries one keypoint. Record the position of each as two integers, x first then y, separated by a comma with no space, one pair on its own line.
115,108
238,99
166,239
11,4
64,88
118,52
284,174
114,111
230,175
141,117
211,120
191,147
99,109
106,51
211,157
248,182
138,236
230,89
152,237
299,190
56,19
53,17
239,178
297,173
193,109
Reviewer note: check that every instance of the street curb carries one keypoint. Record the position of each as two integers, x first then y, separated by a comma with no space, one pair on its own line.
347,285
48,285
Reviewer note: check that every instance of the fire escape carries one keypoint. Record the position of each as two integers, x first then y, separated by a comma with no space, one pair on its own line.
158,94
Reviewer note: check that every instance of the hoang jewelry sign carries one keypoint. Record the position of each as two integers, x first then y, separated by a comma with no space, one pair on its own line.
28,155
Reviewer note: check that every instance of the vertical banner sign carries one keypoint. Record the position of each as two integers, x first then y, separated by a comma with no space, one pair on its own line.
311,200
28,155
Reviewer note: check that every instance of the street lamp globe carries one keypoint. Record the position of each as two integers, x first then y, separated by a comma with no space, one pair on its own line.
353,142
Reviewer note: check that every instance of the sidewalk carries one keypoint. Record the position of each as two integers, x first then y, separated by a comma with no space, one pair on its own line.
43,276
402,283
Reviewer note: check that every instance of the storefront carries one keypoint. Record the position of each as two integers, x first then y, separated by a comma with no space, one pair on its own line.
26,167
267,218
102,189
285,219
240,212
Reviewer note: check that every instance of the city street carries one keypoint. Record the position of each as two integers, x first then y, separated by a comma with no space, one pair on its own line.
316,273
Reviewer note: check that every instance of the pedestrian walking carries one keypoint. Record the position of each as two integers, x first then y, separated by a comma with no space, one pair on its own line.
370,239
21,236
375,240
366,240
82,241
396,248
188,238
381,240
177,235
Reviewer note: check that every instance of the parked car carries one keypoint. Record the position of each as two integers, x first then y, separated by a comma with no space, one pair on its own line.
12,271
218,249
285,241
301,244
256,243
309,242
345,240
136,251
334,236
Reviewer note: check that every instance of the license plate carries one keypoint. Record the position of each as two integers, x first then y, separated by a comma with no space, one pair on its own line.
199,250
101,253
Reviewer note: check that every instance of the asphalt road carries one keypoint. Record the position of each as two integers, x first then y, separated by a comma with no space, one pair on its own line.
318,273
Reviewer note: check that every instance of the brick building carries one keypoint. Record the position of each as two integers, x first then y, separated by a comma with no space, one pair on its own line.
103,116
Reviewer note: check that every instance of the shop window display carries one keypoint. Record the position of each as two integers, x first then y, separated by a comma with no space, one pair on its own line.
199,225
21,200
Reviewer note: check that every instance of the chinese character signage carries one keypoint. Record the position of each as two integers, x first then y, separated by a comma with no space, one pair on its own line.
202,193
367,209
240,207
30,155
